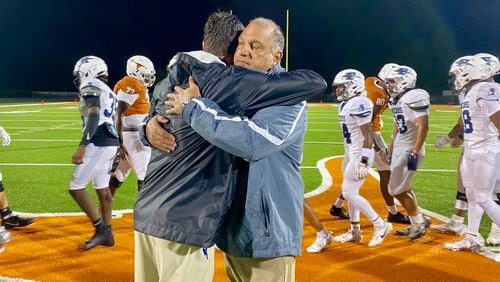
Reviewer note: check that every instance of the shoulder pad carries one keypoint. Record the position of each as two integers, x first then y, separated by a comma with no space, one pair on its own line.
90,91
487,90
417,99
360,107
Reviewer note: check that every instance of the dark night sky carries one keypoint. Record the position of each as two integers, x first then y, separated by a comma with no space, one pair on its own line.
41,40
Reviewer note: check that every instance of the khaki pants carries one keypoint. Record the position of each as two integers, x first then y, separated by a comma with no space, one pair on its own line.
163,260
280,269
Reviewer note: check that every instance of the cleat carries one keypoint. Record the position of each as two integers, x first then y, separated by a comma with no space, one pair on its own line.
349,236
4,236
464,245
407,230
339,212
416,231
379,234
494,237
398,218
450,227
15,221
320,243
102,236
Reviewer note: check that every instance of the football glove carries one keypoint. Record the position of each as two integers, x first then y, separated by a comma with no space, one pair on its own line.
361,170
5,137
441,141
388,157
412,161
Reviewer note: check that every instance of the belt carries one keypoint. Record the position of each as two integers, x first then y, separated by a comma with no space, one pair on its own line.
130,129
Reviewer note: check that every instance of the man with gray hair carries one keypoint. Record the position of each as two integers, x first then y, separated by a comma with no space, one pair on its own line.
262,235
182,207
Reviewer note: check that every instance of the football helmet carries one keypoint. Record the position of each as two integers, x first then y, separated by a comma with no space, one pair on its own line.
466,69
492,63
400,79
142,69
89,66
349,83
382,74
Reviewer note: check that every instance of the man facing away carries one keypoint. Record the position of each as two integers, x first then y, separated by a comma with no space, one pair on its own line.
187,192
262,235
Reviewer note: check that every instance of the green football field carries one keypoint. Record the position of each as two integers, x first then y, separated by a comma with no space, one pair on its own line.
36,167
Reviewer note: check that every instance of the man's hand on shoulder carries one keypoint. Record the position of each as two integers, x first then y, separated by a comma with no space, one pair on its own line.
181,97
158,136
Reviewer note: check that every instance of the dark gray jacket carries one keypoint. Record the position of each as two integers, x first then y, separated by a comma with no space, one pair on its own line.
187,193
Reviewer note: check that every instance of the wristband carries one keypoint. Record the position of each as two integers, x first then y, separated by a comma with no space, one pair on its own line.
368,153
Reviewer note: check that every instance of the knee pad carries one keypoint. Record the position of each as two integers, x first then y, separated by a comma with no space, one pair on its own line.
478,196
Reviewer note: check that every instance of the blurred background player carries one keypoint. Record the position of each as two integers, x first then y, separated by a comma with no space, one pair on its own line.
455,137
98,147
480,117
375,89
410,109
9,219
133,106
355,113
323,236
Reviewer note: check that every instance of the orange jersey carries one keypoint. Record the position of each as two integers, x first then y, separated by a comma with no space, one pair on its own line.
377,94
134,93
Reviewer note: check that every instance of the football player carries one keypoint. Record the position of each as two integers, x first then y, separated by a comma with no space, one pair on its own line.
480,118
375,89
133,106
93,157
410,109
355,115
455,136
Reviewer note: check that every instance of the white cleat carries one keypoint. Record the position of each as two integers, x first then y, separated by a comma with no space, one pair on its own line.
349,236
379,234
464,245
450,227
494,237
4,236
320,243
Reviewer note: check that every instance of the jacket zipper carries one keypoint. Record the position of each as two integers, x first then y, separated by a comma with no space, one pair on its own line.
265,211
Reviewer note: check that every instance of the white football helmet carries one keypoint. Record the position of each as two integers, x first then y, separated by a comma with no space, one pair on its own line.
142,69
89,66
466,69
382,74
352,81
400,79
492,63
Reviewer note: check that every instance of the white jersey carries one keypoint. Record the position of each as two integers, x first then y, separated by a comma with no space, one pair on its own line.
352,114
107,100
405,110
477,105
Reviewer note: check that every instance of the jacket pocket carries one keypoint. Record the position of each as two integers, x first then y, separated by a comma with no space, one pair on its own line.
265,214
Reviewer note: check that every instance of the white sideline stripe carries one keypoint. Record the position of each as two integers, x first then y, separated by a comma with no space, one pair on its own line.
37,104
327,181
53,214
45,140
31,164
14,279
